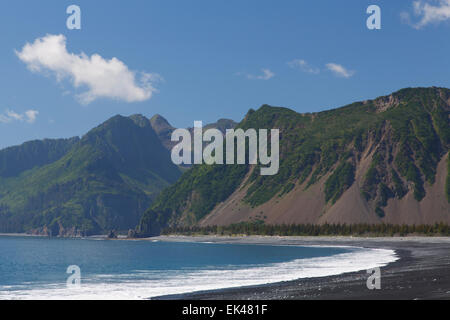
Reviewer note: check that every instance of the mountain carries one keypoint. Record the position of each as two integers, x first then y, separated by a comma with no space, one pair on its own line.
164,130
222,124
15,160
102,182
377,161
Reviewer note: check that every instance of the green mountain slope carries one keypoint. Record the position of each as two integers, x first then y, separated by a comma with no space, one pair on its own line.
104,182
15,160
378,157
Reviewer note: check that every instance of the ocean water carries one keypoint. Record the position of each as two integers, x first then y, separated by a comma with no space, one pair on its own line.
35,268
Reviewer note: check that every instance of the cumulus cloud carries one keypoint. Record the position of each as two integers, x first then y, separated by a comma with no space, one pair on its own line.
339,70
266,75
28,116
428,12
303,65
103,78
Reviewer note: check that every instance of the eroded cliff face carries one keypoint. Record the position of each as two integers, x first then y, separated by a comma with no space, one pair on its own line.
377,161
308,206
58,231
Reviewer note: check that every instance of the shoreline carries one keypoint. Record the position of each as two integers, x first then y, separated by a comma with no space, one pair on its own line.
293,240
421,272
27,235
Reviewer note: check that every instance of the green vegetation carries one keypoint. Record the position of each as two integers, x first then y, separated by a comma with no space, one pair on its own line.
103,182
406,134
399,188
380,212
377,230
313,144
197,193
341,179
447,183
15,160
422,135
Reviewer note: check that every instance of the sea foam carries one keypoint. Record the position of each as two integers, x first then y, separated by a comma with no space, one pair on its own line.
144,284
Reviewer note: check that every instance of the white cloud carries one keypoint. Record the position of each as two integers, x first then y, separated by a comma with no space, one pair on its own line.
28,116
303,65
31,115
103,78
266,75
340,70
429,12
14,116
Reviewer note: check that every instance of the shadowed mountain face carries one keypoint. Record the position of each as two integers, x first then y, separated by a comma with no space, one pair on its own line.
102,182
163,129
15,160
383,160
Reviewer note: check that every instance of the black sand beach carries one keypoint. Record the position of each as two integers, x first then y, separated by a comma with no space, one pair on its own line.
422,272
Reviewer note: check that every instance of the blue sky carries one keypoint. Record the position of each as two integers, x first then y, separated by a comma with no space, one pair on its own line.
210,59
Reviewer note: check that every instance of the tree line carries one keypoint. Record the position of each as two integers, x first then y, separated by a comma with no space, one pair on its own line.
376,230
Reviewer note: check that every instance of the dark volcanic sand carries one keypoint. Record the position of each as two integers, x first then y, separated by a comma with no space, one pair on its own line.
422,272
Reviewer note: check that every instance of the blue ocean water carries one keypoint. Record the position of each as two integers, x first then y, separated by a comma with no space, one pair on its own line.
35,268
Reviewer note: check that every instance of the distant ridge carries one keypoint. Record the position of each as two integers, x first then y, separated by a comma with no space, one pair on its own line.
17,159
164,129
